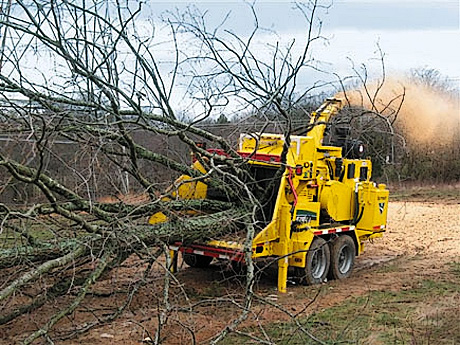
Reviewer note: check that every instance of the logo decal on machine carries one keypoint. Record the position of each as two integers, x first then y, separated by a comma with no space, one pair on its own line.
381,207
305,216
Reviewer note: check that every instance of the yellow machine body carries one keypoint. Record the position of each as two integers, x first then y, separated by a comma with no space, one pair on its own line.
317,181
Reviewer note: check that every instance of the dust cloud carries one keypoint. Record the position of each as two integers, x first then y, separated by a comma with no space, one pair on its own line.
427,117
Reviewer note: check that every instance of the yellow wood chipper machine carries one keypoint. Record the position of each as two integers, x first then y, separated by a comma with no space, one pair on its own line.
323,208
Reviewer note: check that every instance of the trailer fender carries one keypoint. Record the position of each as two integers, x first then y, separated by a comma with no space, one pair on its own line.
356,235
301,244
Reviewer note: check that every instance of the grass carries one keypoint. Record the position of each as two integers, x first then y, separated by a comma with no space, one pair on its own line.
426,313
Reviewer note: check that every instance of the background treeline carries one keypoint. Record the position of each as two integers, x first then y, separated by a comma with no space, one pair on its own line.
397,157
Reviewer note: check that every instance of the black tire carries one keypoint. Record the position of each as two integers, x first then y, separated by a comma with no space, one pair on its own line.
343,252
196,260
316,264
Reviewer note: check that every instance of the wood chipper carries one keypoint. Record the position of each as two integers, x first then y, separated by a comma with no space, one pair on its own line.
323,209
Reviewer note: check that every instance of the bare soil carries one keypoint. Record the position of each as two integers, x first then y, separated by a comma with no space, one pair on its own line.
422,239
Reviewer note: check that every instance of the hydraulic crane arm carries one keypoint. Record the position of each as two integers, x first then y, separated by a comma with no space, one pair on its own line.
321,117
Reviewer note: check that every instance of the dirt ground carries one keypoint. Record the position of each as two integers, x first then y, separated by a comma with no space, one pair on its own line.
422,239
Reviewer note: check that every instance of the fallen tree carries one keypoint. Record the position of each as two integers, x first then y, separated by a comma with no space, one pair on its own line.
105,93
66,237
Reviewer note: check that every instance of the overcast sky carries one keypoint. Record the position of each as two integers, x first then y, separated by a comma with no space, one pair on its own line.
412,34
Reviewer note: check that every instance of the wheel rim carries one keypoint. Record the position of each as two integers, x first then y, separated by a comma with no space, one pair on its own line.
345,259
318,264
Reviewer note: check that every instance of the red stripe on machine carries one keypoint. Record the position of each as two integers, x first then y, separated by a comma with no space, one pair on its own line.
215,252
263,157
379,227
333,231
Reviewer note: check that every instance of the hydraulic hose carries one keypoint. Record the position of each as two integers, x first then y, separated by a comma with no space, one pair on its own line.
357,214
